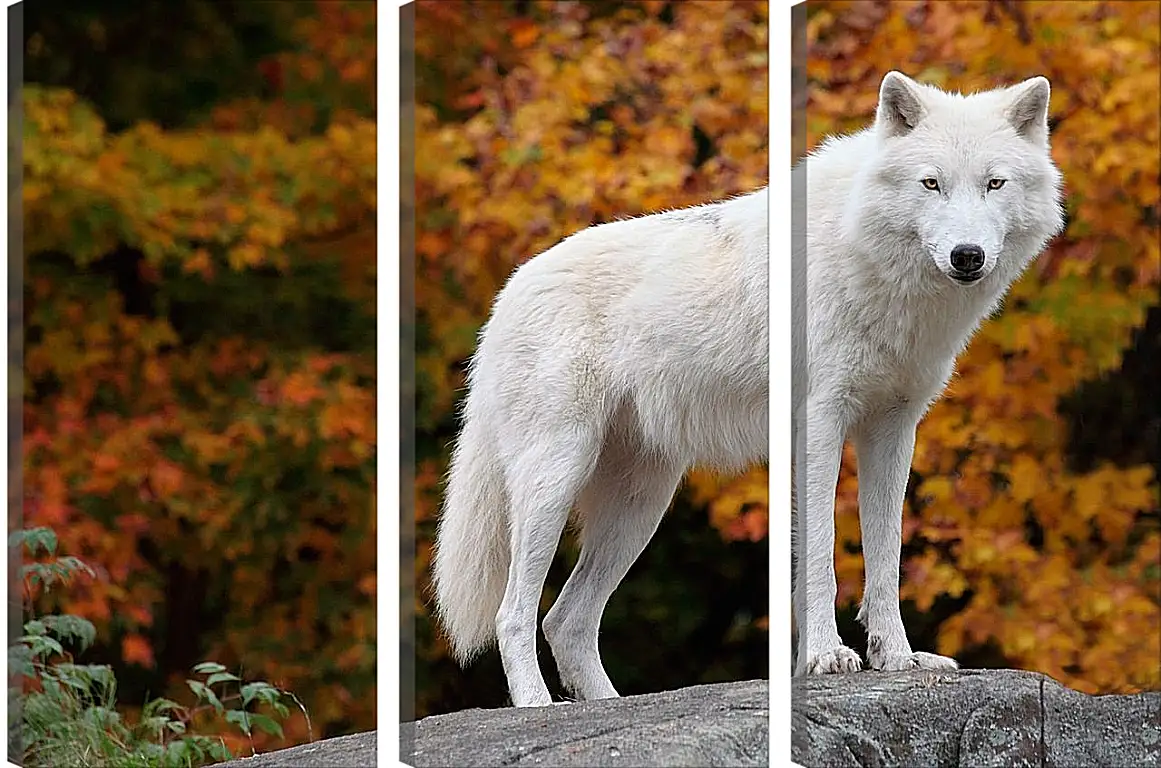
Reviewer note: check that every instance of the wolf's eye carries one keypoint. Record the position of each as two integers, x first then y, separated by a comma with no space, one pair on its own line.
930,183
995,184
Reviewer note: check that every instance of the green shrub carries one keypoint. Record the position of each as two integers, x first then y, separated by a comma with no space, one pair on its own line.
67,711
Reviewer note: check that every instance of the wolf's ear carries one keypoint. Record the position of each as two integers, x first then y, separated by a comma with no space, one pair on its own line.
900,105
1028,109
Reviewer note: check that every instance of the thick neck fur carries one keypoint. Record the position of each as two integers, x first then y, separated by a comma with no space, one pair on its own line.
880,312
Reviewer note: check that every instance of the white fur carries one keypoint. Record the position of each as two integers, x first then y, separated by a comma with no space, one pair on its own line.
611,363
884,320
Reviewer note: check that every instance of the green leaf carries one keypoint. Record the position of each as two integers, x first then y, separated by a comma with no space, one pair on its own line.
20,662
208,667
267,724
221,677
263,691
47,574
220,752
72,627
34,538
240,718
160,706
205,694
88,675
69,565
178,753
42,645
102,717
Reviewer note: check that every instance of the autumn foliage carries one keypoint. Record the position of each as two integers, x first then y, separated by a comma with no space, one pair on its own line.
199,372
538,120
1027,557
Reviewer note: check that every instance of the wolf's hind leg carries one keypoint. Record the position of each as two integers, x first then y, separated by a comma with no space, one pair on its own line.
543,485
620,508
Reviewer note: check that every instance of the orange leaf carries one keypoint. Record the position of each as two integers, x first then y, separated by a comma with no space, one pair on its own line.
524,33
135,649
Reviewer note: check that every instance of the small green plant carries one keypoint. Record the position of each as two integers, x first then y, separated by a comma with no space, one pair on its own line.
68,712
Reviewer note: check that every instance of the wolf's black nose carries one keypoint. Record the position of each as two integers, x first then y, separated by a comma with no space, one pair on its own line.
967,259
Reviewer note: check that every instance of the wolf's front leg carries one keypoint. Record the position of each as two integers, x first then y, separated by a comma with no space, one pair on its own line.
885,446
818,454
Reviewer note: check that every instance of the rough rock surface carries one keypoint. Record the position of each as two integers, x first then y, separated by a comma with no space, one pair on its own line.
354,751
706,725
968,718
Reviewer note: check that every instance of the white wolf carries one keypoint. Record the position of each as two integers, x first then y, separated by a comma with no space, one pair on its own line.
916,228
611,363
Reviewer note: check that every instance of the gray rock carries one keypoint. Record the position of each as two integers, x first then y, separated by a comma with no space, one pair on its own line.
968,718
706,725
354,751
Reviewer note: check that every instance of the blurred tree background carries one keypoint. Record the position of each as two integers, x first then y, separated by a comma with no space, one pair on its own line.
199,307
535,119
1031,531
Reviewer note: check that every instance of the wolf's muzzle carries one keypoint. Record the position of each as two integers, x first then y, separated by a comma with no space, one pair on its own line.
967,263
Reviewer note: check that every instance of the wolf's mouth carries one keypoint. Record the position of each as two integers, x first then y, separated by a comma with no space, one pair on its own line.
966,279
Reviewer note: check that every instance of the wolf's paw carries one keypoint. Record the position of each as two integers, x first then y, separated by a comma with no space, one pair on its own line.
534,699
896,662
837,660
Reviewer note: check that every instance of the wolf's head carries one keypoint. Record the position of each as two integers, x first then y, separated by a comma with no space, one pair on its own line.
969,179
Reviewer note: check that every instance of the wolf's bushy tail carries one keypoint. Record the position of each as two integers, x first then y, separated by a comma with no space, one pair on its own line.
471,550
